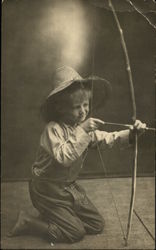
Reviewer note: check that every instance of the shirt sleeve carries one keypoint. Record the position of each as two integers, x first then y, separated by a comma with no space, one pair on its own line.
110,139
64,151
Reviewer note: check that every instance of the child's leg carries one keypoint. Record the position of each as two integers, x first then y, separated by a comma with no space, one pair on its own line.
26,223
63,226
93,222
56,204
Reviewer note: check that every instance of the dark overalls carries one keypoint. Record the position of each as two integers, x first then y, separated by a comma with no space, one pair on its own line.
64,205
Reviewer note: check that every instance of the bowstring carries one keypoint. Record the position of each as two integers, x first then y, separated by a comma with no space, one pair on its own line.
98,148
110,190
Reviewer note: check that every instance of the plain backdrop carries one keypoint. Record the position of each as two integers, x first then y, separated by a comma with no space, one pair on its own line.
37,37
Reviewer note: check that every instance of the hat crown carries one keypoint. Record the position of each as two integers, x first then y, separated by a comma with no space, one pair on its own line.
63,75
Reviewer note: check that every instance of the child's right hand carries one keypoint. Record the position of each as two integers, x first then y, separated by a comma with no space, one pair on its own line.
91,124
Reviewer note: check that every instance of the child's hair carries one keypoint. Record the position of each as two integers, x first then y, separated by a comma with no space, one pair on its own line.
52,107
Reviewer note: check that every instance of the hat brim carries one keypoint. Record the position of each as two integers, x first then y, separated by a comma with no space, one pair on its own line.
100,87
90,79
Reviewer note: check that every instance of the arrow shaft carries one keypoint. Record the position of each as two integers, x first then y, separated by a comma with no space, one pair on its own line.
126,125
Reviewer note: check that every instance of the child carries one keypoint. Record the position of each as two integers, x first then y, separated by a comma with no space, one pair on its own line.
66,213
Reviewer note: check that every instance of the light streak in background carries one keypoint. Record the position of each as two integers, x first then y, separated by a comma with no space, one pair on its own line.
67,28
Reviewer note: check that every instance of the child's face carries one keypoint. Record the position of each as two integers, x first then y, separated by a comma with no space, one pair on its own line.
78,108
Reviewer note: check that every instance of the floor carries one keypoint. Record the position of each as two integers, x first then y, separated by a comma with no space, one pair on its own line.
103,192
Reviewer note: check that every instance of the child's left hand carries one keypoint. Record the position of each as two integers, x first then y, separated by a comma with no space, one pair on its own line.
139,127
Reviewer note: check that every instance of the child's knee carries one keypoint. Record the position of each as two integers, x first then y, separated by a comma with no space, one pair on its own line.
70,235
77,234
97,226
100,226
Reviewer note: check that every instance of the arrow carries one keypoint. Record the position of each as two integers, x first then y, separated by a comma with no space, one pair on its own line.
126,125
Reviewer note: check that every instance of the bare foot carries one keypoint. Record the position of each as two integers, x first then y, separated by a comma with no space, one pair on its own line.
21,224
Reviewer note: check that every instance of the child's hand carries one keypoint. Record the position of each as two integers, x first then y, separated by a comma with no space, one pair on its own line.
139,127
91,124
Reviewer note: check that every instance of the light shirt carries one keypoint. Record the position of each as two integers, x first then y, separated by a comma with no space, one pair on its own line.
62,149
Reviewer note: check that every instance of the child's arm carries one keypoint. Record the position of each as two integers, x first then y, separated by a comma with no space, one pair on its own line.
109,139
64,150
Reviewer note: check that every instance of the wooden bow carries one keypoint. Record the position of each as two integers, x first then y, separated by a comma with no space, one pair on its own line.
135,157
135,145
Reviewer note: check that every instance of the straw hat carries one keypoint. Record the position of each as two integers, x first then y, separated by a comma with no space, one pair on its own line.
64,76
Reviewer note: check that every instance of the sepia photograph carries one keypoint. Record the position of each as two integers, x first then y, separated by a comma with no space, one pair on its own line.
78,124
